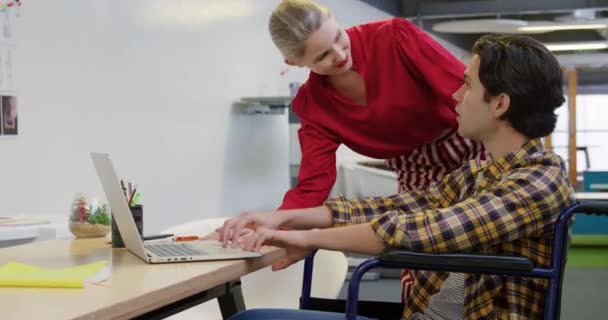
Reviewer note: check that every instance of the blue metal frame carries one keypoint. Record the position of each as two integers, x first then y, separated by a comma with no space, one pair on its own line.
554,273
307,281
353,286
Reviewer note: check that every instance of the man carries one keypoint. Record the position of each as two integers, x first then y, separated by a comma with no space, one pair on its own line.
507,205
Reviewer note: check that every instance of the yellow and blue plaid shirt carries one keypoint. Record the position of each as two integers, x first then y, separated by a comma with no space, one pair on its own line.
504,206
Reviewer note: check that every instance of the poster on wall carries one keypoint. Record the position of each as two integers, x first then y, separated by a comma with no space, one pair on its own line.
9,127
9,124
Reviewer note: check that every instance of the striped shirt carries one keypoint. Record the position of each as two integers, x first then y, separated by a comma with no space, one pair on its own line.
504,206
426,164
430,162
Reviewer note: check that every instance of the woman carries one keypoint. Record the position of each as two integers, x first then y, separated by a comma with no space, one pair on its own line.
383,89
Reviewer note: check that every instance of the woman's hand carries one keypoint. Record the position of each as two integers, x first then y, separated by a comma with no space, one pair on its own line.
216,236
295,243
231,231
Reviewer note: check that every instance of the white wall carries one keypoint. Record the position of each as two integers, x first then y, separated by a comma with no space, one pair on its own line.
151,82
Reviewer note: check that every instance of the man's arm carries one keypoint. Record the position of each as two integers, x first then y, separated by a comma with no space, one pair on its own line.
342,212
446,192
525,204
339,211
298,244
360,238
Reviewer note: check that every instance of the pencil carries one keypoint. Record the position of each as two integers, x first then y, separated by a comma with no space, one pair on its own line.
132,196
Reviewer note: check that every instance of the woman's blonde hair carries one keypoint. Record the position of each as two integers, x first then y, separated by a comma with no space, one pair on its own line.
292,22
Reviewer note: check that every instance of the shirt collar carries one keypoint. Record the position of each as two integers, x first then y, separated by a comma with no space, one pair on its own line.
499,166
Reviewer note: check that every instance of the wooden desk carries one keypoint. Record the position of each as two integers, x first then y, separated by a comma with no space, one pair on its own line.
136,289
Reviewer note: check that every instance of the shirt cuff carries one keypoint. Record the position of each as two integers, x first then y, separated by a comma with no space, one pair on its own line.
390,229
340,210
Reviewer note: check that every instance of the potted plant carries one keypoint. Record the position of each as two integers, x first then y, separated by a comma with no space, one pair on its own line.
89,220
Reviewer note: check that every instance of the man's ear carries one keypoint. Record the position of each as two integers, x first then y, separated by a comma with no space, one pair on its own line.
501,104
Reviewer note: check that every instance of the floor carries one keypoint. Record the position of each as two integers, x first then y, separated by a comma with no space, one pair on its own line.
583,296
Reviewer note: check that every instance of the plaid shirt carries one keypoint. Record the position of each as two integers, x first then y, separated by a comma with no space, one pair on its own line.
504,206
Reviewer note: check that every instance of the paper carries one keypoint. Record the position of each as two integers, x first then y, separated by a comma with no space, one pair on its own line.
15,274
17,221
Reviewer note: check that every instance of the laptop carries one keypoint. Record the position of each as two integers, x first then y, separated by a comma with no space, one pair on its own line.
155,252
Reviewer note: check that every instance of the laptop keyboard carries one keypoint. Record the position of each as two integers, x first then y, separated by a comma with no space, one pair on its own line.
174,249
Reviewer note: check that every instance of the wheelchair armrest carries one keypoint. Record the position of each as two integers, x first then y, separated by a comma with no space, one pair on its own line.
454,262
593,207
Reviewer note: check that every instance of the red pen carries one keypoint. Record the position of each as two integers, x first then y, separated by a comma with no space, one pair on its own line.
186,238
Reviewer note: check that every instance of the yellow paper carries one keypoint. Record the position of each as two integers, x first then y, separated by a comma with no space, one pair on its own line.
15,274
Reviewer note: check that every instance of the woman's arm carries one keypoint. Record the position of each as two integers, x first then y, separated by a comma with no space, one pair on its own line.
305,219
317,173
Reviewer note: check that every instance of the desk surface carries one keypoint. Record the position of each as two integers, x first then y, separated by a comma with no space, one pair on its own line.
134,288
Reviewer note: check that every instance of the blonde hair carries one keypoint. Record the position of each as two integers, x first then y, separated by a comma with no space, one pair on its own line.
292,22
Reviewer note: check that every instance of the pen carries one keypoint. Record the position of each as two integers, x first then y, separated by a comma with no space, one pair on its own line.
130,192
158,236
186,238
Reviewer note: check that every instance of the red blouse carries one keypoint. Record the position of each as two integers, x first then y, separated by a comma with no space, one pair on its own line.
409,80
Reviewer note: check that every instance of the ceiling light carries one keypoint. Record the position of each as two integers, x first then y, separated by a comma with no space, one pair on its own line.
195,12
475,26
573,46
559,27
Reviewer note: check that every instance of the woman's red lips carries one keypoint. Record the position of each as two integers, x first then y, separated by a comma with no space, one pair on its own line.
342,63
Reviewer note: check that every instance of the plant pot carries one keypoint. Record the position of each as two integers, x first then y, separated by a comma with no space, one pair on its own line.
88,230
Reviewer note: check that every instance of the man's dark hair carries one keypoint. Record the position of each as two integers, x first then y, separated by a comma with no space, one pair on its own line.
524,69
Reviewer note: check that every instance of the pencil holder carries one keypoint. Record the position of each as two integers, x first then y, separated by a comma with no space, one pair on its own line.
137,212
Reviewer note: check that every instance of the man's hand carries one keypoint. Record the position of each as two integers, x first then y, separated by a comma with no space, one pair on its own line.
295,243
232,228
216,236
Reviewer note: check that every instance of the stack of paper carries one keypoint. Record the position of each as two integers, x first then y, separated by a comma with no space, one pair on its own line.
21,221
14,274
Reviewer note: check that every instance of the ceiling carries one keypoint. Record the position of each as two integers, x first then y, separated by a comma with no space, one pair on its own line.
468,20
